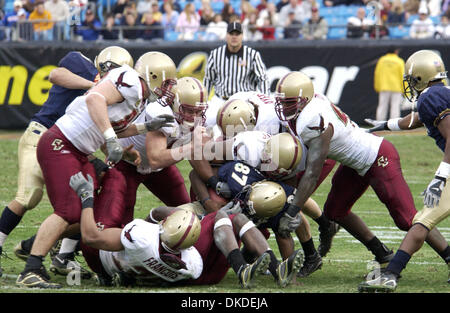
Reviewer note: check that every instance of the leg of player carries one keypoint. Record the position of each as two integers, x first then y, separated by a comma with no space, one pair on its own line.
64,261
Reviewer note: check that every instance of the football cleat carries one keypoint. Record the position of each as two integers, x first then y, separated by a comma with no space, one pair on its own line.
103,280
312,263
248,272
385,282
54,250
326,237
123,280
289,268
20,252
36,279
64,263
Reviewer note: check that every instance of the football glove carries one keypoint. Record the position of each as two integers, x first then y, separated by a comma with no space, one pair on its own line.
158,122
99,166
84,188
378,125
433,193
115,151
232,208
288,224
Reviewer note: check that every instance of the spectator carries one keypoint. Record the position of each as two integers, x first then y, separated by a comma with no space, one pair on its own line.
271,12
434,7
59,10
281,4
385,9
379,31
2,32
333,3
175,6
302,11
216,29
262,5
388,83
10,19
43,29
267,30
188,22
445,7
396,16
423,26
251,29
207,14
316,27
157,15
227,12
118,9
292,27
154,30
109,33
411,7
234,18
359,25
25,28
442,29
28,5
90,27
130,23
170,16
246,10
144,6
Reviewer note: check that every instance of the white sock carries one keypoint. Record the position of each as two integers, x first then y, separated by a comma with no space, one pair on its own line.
68,245
2,238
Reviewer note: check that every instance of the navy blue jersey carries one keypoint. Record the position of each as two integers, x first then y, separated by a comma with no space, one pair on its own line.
237,175
59,97
433,106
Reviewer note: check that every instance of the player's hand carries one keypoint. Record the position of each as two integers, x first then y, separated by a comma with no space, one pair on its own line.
222,189
115,151
433,193
158,122
82,186
232,208
288,224
99,166
378,125
133,155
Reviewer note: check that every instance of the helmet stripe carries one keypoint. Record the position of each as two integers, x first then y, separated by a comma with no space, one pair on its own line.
295,153
219,122
186,233
202,96
281,82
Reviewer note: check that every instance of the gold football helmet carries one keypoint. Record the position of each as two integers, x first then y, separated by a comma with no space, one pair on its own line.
180,230
159,72
281,155
190,101
112,57
422,67
293,92
266,199
235,116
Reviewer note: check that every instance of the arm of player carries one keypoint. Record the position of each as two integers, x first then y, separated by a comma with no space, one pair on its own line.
152,124
201,191
433,193
63,77
395,124
158,214
107,239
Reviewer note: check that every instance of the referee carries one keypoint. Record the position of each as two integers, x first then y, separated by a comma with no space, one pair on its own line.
232,68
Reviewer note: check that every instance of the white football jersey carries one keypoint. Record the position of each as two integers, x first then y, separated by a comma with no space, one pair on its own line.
266,118
141,255
77,125
350,145
248,147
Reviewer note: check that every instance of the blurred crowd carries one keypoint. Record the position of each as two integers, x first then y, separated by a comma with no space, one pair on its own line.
207,19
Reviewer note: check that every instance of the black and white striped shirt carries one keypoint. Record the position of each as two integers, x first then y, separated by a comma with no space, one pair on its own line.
230,72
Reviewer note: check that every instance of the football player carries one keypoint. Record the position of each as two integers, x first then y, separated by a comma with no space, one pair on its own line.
179,248
98,117
366,160
424,72
74,75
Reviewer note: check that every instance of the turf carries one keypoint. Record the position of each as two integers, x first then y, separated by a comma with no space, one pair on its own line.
343,269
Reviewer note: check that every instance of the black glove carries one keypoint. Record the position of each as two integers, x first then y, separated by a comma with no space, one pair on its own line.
99,166
433,193
378,125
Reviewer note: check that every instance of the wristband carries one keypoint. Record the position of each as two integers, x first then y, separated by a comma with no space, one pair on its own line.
87,203
109,133
443,170
212,182
141,129
292,210
392,124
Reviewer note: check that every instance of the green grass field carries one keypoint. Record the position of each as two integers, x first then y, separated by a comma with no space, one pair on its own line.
343,268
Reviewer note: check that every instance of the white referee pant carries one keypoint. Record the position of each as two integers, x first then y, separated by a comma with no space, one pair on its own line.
388,100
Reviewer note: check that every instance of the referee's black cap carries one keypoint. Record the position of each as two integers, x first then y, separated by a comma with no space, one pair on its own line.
234,26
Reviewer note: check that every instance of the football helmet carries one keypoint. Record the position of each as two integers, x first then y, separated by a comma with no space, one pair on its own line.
190,101
293,92
237,113
179,230
281,155
112,57
266,199
159,72
422,67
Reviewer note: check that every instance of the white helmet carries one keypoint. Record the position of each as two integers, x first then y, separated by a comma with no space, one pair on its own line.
180,230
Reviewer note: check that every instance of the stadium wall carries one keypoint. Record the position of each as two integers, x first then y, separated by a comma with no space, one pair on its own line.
341,69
